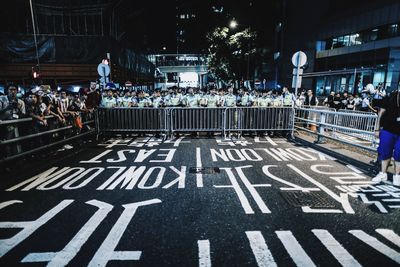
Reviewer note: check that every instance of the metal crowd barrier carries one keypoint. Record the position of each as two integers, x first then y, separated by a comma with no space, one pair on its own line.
352,128
17,146
171,120
259,119
131,120
196,119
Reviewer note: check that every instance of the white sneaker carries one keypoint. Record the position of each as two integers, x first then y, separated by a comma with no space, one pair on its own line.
396,179
380,177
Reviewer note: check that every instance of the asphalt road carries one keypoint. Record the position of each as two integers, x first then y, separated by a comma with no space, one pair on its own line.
197,202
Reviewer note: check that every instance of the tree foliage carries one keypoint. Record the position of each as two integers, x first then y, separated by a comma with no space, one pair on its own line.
229,51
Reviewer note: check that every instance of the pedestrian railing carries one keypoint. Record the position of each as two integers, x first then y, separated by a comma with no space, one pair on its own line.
174,120
353,128
22,137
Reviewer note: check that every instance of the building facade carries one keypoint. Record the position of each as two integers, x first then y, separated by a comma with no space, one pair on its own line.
347,48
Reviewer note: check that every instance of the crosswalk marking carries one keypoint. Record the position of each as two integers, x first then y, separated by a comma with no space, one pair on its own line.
204,253
260,249
292,246
389,235
335,248
376,244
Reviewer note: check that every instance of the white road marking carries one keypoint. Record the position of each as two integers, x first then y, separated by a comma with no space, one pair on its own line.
257,198
95,159
354,169
29,227
376,244
335,248
376,203
63,257
9,203
308,209
342,198
235,185
295,250
293,187
204,253
260,249
199,175
106,251
389,235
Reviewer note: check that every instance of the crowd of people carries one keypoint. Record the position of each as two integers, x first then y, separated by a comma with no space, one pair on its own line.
369,101
194,97
66,108
48,109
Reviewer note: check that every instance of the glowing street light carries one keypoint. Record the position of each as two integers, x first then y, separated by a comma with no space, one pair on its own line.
233,24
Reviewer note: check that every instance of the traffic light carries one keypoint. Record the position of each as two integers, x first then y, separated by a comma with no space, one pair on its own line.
35,73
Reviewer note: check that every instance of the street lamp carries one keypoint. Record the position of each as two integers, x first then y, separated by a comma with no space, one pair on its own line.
233,24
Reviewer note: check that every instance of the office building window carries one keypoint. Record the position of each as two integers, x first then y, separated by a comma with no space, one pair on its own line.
393,30
365,36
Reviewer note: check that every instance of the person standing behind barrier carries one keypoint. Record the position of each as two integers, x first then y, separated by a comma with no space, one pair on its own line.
328,102
387,129
276,99
366,103
300,99
191,99
288,98
311,101
12,108
126,100
143,101
203,99
265,100
172,99
246,100
221,98
345,99
134,100
108,101
157,100
230,98
212,99
39,122
351,103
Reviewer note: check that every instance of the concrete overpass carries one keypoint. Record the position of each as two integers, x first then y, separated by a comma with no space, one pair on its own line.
180,69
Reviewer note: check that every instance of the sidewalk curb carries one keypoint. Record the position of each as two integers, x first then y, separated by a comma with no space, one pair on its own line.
364,167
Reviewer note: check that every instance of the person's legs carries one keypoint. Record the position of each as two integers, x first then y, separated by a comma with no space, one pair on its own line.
387,143
396,156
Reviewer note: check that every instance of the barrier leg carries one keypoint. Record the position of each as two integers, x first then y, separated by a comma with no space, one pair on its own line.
321,129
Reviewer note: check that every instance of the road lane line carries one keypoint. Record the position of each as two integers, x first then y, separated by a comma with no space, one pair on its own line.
260,249
204,253
257,198
389,235
335,248
242,197
295,250
376,244
199,175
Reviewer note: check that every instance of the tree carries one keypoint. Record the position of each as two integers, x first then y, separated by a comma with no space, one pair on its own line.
229,53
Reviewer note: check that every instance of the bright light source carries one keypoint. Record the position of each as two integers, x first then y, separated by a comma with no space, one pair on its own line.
76,89
164,48
233,24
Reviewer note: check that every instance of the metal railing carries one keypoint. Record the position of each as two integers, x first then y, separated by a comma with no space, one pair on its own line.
353,128
131,120
172,120
22,141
